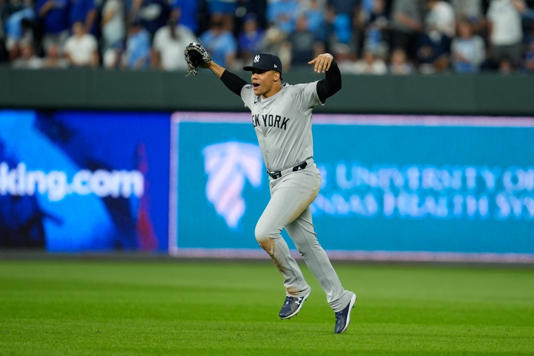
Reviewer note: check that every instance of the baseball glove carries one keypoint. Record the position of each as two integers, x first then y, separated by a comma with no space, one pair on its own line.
196,56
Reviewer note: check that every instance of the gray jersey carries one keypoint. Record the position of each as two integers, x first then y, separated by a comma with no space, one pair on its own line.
283,123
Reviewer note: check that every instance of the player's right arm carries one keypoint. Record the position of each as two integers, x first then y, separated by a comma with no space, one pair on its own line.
232,81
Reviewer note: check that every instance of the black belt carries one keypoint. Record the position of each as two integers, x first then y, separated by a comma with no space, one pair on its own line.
278,174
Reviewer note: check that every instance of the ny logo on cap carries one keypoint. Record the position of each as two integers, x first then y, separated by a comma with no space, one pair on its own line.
257,58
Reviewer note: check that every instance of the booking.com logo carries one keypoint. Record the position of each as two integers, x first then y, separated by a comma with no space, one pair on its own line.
19,181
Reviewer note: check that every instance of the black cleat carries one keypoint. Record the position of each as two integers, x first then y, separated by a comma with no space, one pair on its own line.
292,306
343,317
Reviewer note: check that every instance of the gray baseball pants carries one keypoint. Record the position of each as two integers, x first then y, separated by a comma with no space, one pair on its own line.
289,208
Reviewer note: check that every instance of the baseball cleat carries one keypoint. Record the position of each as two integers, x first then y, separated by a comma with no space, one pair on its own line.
292,306
343,317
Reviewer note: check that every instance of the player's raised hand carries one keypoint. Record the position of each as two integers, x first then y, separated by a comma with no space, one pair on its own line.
322,62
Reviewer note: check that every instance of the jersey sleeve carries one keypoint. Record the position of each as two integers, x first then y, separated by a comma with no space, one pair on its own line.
306,95
247,95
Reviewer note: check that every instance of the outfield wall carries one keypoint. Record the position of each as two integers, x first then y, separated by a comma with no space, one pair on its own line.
104,161
395,187
445,94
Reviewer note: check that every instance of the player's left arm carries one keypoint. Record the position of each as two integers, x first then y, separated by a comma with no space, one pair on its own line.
331,84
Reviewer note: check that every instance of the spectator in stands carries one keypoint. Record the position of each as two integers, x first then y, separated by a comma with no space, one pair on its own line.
314,13
16,40
303,43
225,9
54,59
113,32
340,22
472,11
219,42
283,14
275,42
433,51
341,29
371,63
81,48
398,63
169,44
137,54
406,25
54,16
28,59
467,49
113,25
505,32
19,15
250,39
84,11
374,19
361,24
440,17
188,10
152,14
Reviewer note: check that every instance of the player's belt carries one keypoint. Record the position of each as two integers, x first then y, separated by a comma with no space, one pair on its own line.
298,167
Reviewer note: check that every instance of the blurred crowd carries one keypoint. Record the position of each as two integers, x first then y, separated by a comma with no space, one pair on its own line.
365,36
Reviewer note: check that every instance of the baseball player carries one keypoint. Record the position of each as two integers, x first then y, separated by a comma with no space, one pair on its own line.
281,117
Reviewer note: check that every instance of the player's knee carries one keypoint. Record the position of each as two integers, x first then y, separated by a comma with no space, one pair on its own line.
266,237
261,233
264,232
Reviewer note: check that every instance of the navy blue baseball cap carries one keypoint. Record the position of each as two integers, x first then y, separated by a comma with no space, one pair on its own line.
265,61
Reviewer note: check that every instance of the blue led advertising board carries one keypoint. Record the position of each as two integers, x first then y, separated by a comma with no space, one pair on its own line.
84,181
393,187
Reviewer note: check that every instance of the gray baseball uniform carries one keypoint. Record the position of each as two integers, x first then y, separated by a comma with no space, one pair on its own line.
283,126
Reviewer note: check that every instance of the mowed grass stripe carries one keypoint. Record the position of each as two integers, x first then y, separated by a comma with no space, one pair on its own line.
227,308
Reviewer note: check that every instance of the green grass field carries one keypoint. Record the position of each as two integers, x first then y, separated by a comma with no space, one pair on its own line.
231,308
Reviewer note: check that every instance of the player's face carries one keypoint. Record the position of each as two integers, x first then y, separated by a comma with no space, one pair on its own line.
263,82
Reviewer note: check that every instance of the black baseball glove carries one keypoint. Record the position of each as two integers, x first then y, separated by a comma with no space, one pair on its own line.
196,56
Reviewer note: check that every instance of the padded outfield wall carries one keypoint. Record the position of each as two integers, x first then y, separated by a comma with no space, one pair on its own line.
145,161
